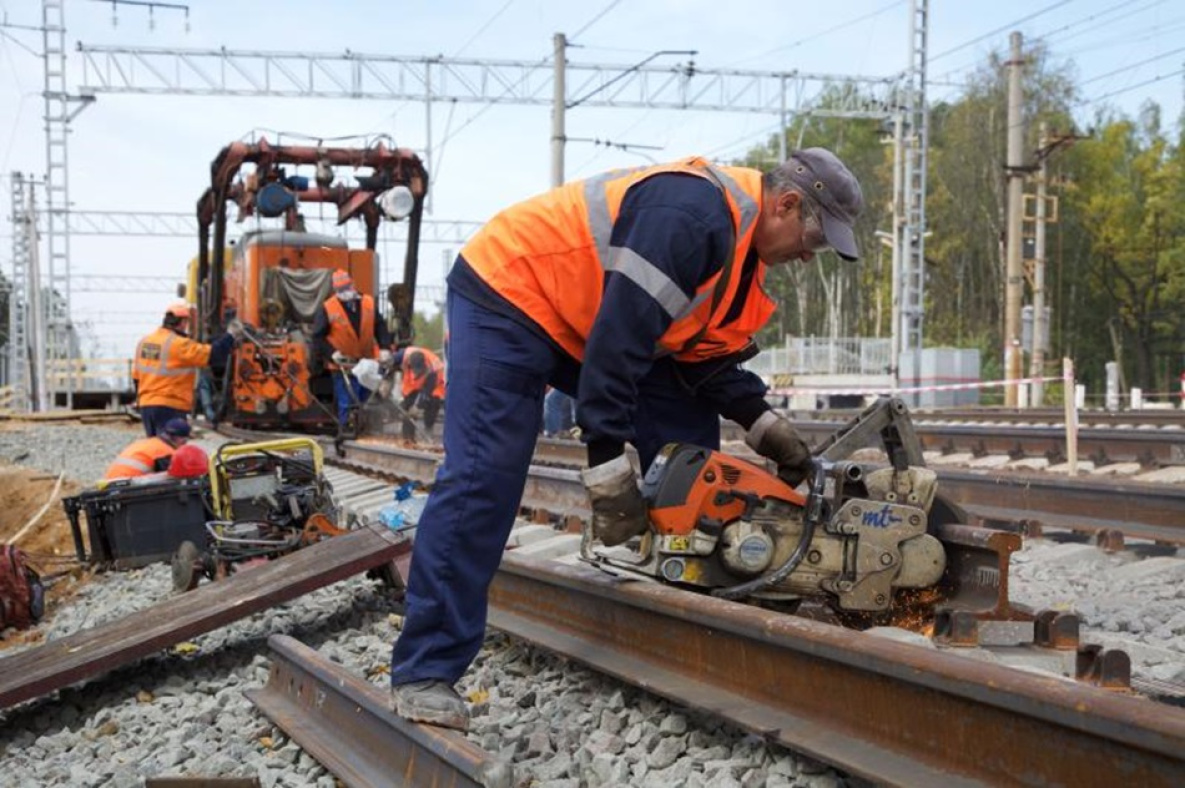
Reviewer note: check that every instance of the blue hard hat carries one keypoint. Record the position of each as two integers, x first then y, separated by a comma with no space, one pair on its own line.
177,428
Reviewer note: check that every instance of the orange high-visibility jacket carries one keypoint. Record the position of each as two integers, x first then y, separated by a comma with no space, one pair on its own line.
413,382
549,255
341,333
139,458
165,369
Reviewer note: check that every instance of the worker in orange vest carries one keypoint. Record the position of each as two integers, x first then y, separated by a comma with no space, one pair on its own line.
346,329
150,455
166,364
639,292
422,386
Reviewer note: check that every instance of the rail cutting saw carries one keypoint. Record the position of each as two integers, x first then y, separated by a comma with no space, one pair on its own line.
858,534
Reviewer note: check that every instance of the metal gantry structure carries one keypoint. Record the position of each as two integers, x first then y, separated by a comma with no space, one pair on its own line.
682,86
18,296
355,75
912,240
181,224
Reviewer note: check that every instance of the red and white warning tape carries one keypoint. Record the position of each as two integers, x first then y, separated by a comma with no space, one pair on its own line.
787,391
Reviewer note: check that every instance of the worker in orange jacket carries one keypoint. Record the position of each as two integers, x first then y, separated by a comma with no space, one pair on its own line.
347,328
423,386
639,292
150,455
166,364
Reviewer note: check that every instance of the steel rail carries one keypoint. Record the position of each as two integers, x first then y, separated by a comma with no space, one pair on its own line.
346,723
1135,509
886,711
94,652
997,416
1100,443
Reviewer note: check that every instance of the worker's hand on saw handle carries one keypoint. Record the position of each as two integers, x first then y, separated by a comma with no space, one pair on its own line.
774,437
618,509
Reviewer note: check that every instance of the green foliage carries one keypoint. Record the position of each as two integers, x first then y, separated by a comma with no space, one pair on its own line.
1115,257
429,330
1130,192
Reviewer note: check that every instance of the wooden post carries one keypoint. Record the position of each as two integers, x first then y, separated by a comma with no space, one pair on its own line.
1071,415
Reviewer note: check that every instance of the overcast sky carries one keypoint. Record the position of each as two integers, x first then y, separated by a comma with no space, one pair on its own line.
153,152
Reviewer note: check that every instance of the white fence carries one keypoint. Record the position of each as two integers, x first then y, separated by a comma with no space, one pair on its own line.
823,356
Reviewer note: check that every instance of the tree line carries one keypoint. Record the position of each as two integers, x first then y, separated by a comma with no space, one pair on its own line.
1115,258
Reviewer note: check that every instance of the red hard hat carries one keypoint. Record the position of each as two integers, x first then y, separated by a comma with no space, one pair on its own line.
189,462
342,280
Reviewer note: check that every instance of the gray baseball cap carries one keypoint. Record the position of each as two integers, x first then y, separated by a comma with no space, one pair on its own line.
820,173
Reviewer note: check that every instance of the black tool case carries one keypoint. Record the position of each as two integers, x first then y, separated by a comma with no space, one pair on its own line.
133,523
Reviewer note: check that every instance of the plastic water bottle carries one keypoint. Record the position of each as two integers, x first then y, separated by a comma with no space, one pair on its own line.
405,510
391,516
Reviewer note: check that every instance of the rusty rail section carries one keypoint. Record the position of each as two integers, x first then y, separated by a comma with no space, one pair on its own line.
93,652
346,724
1135,509
887,711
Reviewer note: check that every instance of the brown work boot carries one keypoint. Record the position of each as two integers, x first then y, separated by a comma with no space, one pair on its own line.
431,701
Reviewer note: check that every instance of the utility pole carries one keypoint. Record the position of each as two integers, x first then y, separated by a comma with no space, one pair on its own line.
896,335
558,106
37,328
1013,276
1037,355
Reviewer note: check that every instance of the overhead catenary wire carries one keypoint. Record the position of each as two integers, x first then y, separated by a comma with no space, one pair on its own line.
1120,91
484,27
821,34
949,76
596,18
1003,28
1132,66
1105,14
511,88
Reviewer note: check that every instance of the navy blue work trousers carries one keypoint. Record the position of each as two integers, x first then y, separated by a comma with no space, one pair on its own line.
498,371
155,417
347,391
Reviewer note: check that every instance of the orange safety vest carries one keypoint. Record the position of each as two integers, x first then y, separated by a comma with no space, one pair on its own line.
549,256
165,369
413,382
341,332
139,458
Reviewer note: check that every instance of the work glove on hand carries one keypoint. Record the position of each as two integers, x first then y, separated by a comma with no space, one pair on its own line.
384,356
618,509
235,329
340,358
773,436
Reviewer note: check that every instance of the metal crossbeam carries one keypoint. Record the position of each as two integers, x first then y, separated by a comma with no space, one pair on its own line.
131,283
181,224
227,72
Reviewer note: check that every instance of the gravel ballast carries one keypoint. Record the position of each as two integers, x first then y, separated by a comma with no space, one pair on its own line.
182,712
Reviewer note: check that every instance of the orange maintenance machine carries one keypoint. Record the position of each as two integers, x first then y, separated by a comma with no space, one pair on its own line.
277,275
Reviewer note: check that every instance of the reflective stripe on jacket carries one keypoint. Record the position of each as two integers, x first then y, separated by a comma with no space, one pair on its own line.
165,369
549,256
342,336
139,458
413,382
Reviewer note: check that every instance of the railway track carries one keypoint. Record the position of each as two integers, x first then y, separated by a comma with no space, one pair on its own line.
835,694
851,699
1029,501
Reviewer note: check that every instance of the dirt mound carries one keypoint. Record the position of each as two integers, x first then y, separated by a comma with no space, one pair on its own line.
24,496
